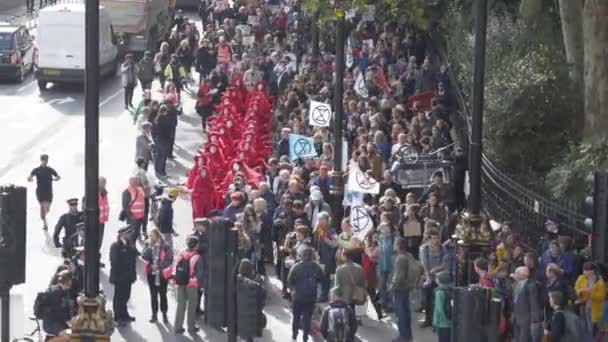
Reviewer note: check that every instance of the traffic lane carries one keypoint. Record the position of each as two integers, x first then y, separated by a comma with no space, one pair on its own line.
27,122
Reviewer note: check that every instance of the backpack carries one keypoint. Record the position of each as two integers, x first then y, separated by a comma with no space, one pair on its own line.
338,324
306,286
182,271
41,305
576,328
414,273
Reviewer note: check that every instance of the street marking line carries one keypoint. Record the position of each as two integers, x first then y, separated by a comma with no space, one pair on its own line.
26,86
110,98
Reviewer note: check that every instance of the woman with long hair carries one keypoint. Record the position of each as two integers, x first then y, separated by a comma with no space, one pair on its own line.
158,257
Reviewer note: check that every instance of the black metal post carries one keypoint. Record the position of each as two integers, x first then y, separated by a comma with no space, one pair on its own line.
232,270
337,181
5,309
315,37
481,8
91,161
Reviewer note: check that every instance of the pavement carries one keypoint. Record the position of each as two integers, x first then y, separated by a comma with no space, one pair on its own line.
32,123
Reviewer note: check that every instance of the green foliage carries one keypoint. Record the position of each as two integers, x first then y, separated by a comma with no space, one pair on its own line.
414,12
529,105
568,178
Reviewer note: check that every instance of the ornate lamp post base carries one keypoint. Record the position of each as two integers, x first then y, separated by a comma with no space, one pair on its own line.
92,322
474,241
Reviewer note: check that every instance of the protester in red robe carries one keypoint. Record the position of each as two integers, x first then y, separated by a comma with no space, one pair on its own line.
199,163
204,194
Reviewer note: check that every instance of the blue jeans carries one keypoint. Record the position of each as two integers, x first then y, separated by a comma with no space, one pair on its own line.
302,311
401,305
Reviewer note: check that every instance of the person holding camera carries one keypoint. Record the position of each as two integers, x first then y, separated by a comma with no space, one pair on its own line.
158,257
129,72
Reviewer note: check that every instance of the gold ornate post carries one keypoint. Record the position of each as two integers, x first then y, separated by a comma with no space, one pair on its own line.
92,322
474,240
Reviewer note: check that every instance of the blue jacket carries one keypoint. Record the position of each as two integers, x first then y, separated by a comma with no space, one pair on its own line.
562,260
231,211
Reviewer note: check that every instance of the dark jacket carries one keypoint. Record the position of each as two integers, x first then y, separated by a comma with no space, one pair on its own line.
526,310
67,221
299,274
205,60
282,148
123,258
165,258
165,216
350,317
58,310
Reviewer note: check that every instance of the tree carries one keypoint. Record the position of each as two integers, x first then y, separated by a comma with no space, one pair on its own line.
571,14
595,34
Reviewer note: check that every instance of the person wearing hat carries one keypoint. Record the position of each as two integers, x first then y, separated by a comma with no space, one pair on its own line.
123,273
146,71
129,72
316,206
45,175
68,222
442,312
164,221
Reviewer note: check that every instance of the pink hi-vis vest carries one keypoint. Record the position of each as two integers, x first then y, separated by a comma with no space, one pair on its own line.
104,208
138,207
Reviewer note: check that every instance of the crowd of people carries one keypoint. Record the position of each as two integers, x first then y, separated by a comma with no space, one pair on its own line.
257,78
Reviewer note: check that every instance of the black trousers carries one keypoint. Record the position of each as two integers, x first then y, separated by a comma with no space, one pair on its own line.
144,224
162,153
156,292
129,89
122,293
428,302
30,5
303,312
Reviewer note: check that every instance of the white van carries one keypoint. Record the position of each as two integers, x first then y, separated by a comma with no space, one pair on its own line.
61,43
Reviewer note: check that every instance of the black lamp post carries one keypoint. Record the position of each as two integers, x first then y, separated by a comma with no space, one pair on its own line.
472,241
95,324
337,186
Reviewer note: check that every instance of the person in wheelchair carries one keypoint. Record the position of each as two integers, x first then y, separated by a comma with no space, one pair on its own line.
295,243
58,308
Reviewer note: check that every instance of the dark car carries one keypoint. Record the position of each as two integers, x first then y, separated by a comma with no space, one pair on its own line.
416,176
18,53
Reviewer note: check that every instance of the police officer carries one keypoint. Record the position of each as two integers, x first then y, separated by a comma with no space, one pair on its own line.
68,221
123,259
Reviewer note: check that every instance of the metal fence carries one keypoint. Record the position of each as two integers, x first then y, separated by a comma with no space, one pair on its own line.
503,198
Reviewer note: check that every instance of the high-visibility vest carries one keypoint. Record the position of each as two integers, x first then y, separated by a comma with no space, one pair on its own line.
104,208
138,207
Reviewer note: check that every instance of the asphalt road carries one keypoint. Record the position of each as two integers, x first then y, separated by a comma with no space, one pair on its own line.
32,123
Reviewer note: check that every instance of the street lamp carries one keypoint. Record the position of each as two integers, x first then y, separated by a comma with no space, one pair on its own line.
92,323
337,187
472,241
